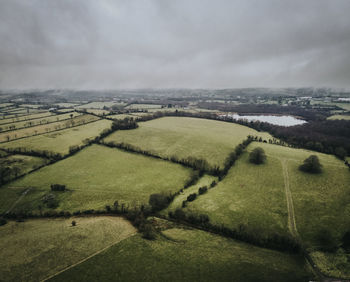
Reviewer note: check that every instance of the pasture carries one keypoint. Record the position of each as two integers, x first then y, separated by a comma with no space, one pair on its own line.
143,106
188,255
98,176
186,137
97,105
46,128
60,141
37,121
45,246
335,117
25,117
250,197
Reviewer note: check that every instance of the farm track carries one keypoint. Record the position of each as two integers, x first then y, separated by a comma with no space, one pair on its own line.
291,216
18,200
87,258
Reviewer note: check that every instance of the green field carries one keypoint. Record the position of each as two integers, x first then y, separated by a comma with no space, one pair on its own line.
46,128
22,162
336,117
25,117
97,105
122,116
250,195
46,246
183,137
38,121
188,255
98,176
60,141
143,106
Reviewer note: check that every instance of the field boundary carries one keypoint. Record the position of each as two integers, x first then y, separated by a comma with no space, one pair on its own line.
87,258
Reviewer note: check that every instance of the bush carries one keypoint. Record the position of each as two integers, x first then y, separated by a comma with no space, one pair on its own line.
50,201
58,187
192,197
148,231
202,190
326,241
340,153
74,223
311,165
257,156
159,201
346,241
3,221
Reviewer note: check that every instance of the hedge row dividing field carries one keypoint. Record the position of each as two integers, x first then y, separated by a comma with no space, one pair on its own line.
59,141
95,177
25,117
188,255
184,137
38,121
46,246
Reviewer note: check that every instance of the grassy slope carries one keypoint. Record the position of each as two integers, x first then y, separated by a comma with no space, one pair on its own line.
36,249
60,141
39,129
190,255
320,202
98,176
183,137
252,195
335,117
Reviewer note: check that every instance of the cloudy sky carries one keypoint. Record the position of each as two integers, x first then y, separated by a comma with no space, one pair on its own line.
104,44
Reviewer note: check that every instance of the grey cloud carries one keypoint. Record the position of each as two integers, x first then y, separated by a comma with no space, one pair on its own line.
164,43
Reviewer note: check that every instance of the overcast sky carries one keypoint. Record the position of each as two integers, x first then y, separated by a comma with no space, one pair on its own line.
104,44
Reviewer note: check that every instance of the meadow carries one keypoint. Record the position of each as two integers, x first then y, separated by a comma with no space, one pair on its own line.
60,141
38,121
188,255
256,203
46,246
143,106
98,176
97,105
334,117
25,117
186,137
45,128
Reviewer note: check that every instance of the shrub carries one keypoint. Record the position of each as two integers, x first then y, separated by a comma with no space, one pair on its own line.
202,190
346,241
159,201
3,221
50,201
191,197
257,156
311,165
74,223
326,241
58,187
340,152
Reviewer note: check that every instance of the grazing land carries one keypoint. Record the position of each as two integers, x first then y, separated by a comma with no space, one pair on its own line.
25,117
60,141
188,255
97,105
47,246
45,128
143,106
113,175
185,137
256,203
346,117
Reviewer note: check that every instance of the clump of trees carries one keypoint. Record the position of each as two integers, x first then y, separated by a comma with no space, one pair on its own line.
257,156
202,190
311,165
191,197
58,187
159,201
50,201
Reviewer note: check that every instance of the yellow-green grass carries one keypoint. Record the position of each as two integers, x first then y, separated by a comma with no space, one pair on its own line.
98,176
22,162
335,117
60,141
333,264
38,121
205,180
143,106
97,111
183,137
188,255
4,105
65,110
96,105
66,105
33,106
45,128
122,116
251,196
25,117
36,249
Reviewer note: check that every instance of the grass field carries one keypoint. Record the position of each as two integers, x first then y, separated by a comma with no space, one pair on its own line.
98,176
24,163
188,255
183,137
250,195
97,105
46,128
25,117
38,121
335,117
66,105
143,106
46,246
60,141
